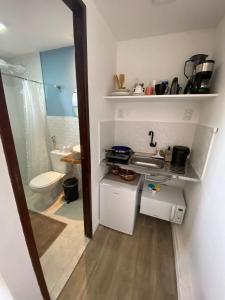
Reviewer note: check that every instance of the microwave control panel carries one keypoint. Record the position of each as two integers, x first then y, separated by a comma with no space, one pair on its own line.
179,215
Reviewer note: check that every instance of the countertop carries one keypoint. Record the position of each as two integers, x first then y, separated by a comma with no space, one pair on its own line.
71,160
188,174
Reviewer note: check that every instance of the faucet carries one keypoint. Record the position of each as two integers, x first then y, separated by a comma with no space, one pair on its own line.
53,138
151,134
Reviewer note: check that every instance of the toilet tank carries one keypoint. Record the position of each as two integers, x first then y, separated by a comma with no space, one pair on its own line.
57,164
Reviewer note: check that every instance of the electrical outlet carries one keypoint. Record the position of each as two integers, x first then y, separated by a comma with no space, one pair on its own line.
120,113
188,114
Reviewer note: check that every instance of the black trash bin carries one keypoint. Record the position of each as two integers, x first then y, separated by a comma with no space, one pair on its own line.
70,187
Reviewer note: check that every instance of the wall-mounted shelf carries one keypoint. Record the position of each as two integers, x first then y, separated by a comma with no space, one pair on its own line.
164,98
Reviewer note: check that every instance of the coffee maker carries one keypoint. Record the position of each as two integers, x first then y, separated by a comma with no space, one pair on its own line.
198,70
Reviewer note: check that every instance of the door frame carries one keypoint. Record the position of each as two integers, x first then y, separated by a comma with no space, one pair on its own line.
80,39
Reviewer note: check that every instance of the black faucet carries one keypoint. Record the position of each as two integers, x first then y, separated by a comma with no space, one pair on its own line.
151,134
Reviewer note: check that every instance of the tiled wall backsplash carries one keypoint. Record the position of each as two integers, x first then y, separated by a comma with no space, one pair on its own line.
135,135
65,129
201,149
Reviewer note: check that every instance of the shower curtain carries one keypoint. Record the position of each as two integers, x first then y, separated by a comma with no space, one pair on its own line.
37,152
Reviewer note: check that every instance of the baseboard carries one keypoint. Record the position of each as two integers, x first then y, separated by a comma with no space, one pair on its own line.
184,288
95,226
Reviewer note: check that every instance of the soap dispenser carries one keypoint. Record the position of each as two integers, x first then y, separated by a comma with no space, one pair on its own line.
168,154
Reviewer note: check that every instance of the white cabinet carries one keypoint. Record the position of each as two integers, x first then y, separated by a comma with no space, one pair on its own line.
118,203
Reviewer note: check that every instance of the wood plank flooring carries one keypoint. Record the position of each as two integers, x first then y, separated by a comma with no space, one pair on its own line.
116,266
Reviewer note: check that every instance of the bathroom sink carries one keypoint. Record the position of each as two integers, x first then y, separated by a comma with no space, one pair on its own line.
144,161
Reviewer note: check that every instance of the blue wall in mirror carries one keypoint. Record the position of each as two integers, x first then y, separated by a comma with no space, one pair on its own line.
58,67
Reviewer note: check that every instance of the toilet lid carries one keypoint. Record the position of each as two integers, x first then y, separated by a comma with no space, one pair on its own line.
45,179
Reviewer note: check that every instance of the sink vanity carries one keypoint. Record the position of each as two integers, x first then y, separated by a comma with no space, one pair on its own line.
144,164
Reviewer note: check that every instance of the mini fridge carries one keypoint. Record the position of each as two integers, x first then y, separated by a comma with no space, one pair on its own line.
119,203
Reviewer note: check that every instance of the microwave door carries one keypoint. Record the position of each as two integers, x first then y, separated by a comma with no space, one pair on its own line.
173,211
158,209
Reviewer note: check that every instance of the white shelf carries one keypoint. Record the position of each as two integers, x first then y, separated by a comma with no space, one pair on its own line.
164,98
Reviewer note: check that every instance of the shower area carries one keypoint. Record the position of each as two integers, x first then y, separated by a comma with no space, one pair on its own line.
27,112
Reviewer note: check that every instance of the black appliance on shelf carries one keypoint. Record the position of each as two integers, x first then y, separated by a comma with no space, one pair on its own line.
179,157
198,70
119,154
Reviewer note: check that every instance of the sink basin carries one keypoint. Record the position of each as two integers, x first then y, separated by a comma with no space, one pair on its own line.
149,162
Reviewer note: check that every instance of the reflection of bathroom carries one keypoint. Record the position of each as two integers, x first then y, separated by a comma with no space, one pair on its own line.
44,121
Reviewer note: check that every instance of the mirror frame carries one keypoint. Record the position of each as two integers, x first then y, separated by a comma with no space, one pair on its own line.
80,39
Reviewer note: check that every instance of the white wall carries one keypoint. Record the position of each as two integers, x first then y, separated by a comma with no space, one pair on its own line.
101,67
4,291
15,263
160,57
135,134
203,233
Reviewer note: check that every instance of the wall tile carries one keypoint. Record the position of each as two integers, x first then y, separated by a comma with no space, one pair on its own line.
135,134
65,129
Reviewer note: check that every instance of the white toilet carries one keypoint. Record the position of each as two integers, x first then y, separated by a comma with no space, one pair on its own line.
47,182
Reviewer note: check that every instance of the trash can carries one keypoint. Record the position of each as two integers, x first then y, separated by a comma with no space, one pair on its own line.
70,187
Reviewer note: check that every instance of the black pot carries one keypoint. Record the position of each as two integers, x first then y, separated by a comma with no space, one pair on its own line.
179,156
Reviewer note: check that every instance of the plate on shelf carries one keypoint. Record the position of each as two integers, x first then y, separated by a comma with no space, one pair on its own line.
138,94
121,92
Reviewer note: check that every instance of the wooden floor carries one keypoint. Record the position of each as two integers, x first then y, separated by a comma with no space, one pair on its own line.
116,266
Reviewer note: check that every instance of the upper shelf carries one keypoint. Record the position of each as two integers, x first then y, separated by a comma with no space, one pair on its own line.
164,98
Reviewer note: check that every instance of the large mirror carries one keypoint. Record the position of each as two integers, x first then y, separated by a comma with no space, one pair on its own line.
37,63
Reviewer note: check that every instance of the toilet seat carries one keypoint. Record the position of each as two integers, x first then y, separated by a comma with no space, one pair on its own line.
45,179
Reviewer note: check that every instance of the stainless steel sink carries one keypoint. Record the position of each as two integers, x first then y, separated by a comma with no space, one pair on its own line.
144,161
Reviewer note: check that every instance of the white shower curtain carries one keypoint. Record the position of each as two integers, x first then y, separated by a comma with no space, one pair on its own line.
35,129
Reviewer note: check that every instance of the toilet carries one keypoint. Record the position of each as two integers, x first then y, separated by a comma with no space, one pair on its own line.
47,183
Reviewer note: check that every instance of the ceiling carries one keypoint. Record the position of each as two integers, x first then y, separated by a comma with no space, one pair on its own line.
34,25
38,25
130,19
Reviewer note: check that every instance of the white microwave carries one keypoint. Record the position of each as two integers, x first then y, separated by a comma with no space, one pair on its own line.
167,204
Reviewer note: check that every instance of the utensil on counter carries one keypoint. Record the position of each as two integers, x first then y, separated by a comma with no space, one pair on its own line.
117,81
160,88
127,175
120,89
175,87
119,154
115,170
139,89
122,80
122,149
